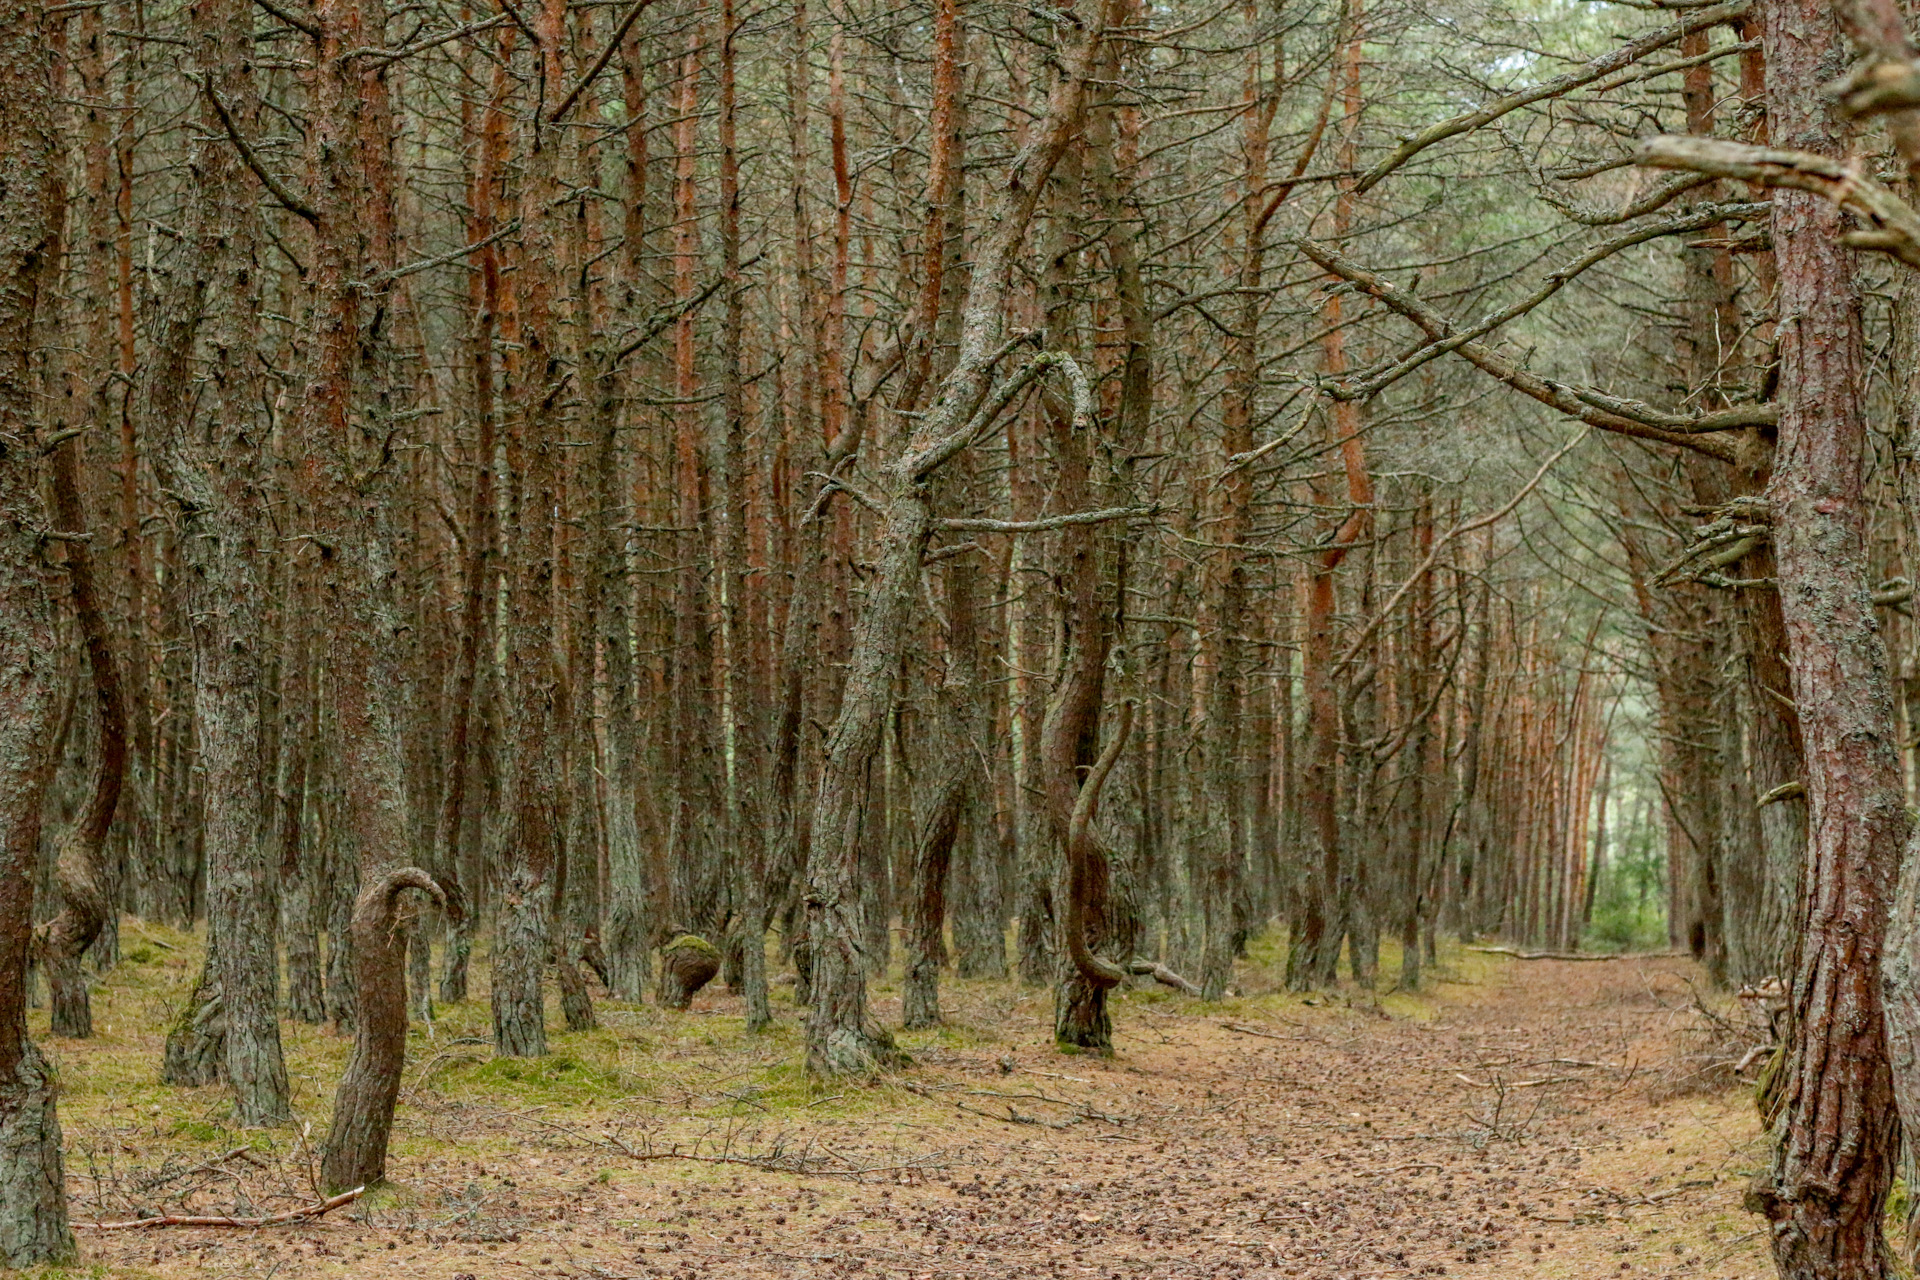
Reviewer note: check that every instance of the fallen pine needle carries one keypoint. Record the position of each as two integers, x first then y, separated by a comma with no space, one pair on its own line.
189,1220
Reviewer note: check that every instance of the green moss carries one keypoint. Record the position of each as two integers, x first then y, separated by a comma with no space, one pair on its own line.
691,942
556,1078
198,1130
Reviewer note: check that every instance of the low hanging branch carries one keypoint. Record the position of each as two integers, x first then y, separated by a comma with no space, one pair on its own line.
1517,954
1558,395
1699,218
671,316
1598,69
606,55
1892,225
1444,541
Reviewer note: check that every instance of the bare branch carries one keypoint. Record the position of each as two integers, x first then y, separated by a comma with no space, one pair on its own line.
1555,394
286,198
600,64
1893,225
1102,516
1605,65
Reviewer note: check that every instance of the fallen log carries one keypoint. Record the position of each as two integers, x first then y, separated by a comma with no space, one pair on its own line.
301,1214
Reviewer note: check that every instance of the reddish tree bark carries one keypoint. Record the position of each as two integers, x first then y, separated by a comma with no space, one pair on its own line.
1836,1129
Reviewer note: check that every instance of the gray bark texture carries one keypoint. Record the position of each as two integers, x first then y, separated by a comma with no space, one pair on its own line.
33,1203
841,1038
355,1154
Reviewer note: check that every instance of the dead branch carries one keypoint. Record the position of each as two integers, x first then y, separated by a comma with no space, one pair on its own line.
1518,954
302,1214
1785,791
1246,1030
1605,65
1554,394
1161,974
1892,225
777,1161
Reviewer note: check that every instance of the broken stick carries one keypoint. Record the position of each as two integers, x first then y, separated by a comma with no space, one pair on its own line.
190,1220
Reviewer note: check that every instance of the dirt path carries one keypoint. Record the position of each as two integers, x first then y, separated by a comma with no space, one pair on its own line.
1502,1127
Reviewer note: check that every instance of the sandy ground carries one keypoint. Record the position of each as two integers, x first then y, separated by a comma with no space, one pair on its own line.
1522,1121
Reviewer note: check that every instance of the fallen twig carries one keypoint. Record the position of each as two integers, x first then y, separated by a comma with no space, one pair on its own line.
191,1220
1518,954
1399,1168
1517,1084
1245,1030
778,1162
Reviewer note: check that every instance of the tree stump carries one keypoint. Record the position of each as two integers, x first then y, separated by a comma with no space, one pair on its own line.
687,964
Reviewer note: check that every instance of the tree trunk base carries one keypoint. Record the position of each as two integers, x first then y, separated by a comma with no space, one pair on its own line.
857,1051
1081,1023
1811,1241
575,1003
519,1022
72,1007
920,994
196,1049
33,1193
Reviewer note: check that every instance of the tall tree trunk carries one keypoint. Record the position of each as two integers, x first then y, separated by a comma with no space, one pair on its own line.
1318,926
630,906
539,698
1836,1132
218,473
480,570
33,1200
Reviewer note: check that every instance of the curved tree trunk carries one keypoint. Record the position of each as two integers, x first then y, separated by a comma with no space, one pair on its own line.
962,739
841,1038
33,1202
933,858
78,869
1070,746
355,1154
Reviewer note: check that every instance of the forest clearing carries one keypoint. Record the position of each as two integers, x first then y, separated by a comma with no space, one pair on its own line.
1267,1135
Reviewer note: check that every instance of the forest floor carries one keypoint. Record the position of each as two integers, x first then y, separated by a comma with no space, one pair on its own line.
1519,1119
